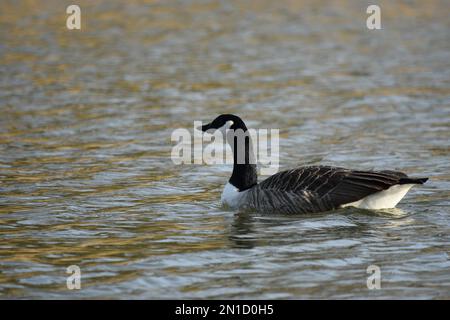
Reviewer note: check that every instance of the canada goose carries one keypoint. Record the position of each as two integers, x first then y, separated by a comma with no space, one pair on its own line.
305,189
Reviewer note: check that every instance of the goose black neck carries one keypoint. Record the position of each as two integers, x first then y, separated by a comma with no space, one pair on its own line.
244,174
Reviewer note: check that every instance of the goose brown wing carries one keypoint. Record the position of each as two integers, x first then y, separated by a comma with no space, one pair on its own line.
329,187
319,179
359,184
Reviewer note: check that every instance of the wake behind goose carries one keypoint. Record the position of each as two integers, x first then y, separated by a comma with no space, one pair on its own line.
307,189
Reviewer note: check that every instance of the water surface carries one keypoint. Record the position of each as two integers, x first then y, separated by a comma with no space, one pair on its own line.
85,171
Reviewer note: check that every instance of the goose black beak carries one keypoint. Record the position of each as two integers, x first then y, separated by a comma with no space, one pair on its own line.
205,127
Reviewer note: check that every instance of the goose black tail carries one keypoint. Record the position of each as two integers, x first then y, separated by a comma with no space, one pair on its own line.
412,180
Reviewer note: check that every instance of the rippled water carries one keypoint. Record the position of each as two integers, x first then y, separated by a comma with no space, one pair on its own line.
85,171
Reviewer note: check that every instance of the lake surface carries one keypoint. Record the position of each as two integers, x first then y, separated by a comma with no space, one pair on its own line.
86,118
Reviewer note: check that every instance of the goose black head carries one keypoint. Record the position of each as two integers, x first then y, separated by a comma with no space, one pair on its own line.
225,121
244,167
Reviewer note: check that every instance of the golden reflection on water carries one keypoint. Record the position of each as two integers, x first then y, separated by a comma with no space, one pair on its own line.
85,125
